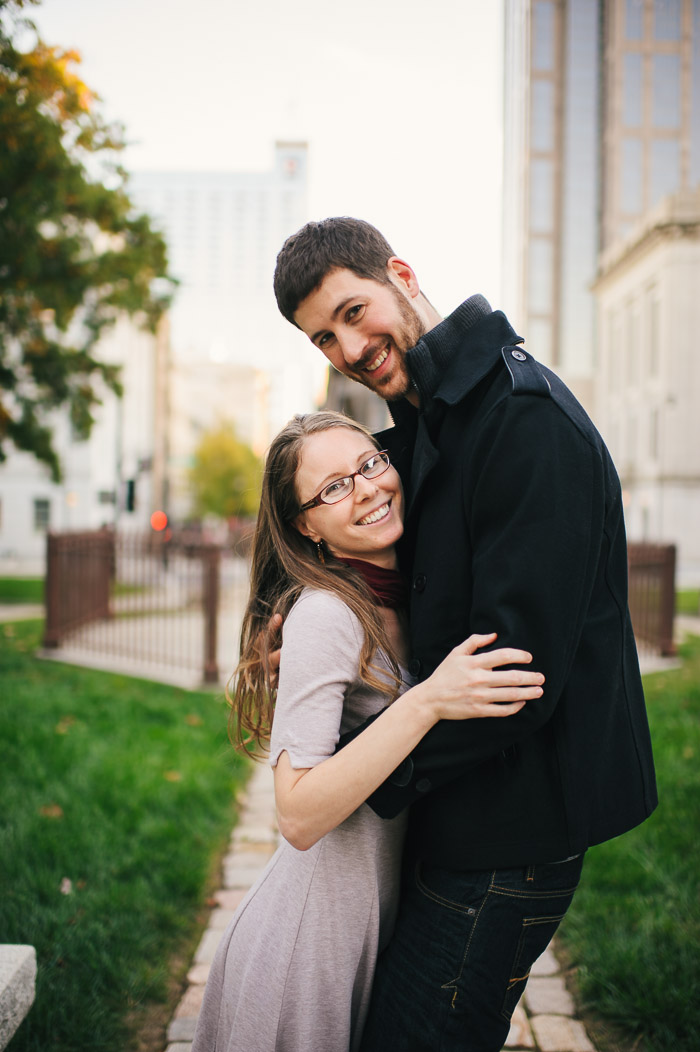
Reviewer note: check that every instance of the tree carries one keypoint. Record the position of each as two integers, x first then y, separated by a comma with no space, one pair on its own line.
74,255
226,475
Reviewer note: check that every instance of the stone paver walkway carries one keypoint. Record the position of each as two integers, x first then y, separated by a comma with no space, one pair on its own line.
544,1021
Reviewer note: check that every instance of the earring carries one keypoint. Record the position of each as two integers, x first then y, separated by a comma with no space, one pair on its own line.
319,552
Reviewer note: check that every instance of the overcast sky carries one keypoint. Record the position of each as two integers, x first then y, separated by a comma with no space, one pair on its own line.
401,104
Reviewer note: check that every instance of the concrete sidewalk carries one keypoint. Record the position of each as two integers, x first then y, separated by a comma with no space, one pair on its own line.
545,1020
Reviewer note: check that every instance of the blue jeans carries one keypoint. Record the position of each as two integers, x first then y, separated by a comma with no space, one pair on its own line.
461,954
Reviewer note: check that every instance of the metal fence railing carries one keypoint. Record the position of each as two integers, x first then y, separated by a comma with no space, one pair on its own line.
176,605
652,595
169,604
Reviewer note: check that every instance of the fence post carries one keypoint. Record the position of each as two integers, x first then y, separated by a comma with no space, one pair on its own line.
667,601
52,635
211,563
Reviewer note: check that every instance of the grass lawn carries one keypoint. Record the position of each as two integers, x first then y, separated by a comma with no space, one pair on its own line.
21,589
633,931
688,601
116,796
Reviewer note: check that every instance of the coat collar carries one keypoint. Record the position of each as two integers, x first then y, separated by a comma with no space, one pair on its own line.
467,350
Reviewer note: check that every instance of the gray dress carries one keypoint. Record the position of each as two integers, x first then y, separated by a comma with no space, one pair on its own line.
294,969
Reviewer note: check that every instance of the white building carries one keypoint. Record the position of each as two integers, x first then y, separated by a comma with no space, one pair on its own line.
648,375
116,476
224,230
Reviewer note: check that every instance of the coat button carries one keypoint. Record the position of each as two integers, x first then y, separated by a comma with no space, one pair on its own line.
414,667
519,356
419,582
423,785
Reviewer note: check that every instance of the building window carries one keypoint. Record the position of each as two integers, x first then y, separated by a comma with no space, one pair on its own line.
42,514
653,329
654,434
667,19
665,169
633,93
542,120
541,197
631,185
666,107
634,19
543,36
540,276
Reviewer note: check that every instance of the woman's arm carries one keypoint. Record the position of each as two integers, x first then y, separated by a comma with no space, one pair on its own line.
311,801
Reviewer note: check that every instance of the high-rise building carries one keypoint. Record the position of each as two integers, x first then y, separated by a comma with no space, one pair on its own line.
224,230
602,120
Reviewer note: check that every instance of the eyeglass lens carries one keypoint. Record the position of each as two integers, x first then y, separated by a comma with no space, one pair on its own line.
371,468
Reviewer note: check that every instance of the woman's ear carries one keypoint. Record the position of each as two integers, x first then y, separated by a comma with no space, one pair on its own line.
300,524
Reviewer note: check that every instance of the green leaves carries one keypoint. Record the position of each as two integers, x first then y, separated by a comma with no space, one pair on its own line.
226,475
73,253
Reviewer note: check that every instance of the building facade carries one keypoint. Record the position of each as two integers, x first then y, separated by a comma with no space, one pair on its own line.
117,477
602,120
648,381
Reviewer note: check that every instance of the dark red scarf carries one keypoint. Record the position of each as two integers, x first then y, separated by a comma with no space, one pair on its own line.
388,587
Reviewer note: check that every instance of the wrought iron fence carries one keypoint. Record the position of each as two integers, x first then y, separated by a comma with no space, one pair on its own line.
162,605
172,608
652,595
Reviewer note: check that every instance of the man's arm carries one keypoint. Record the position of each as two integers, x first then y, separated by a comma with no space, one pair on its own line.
535,520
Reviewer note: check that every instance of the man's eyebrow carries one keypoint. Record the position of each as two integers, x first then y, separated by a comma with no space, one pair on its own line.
334,315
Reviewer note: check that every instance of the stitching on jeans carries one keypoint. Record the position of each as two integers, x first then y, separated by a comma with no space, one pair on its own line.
447,903
466,949
514,894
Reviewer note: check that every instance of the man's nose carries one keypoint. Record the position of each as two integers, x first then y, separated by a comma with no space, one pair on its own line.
353,345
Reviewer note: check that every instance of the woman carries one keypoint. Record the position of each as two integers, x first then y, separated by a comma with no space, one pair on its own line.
293,972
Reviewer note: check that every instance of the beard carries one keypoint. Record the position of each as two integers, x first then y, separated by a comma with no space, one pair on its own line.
396,384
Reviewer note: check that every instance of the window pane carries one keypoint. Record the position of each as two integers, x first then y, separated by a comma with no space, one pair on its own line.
666,111
695,96
543,35
634,19
42,514
632,104
665,172
539,341
542,130
541,196
631,183
667,19
540,276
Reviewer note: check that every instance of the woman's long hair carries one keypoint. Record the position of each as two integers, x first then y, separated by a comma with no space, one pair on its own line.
283,563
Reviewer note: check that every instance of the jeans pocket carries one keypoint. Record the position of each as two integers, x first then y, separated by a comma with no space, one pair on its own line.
535,935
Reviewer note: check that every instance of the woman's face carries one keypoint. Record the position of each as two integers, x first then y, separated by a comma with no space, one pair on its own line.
367,523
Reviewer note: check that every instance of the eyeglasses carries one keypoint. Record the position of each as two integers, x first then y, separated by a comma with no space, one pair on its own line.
341,488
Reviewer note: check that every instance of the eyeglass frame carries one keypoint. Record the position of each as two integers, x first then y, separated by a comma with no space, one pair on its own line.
317,501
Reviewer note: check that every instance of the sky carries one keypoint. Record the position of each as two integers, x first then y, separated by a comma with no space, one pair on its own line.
401,104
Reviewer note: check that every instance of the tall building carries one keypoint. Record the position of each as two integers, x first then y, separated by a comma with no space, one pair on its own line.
602,120
224,230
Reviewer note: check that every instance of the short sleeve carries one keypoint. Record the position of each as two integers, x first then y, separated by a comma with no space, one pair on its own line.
321,645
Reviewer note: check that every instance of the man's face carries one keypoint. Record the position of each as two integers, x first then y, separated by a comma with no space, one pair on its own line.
364,328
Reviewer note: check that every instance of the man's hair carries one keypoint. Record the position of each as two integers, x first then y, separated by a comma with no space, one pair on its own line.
333,244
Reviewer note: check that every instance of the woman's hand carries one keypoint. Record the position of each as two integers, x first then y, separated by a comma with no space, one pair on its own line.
467,685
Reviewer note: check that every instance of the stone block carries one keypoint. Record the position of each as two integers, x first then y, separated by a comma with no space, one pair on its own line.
198,974
548,996
229,899
191,1003
556,1033
520,1034
220,919
546,964
179,1046
182,1029
17,988
207,947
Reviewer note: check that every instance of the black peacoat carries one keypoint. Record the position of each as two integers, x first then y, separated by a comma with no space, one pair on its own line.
514,524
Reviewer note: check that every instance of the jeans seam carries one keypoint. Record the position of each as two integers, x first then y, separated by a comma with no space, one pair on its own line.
446,986
447,903
514,894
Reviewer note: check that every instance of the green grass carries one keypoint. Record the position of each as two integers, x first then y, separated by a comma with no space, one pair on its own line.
21,589
120,793
688,601
633,930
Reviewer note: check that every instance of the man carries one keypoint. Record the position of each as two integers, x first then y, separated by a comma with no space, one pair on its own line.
514,524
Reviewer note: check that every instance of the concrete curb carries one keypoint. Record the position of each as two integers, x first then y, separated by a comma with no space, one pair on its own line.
544,1020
